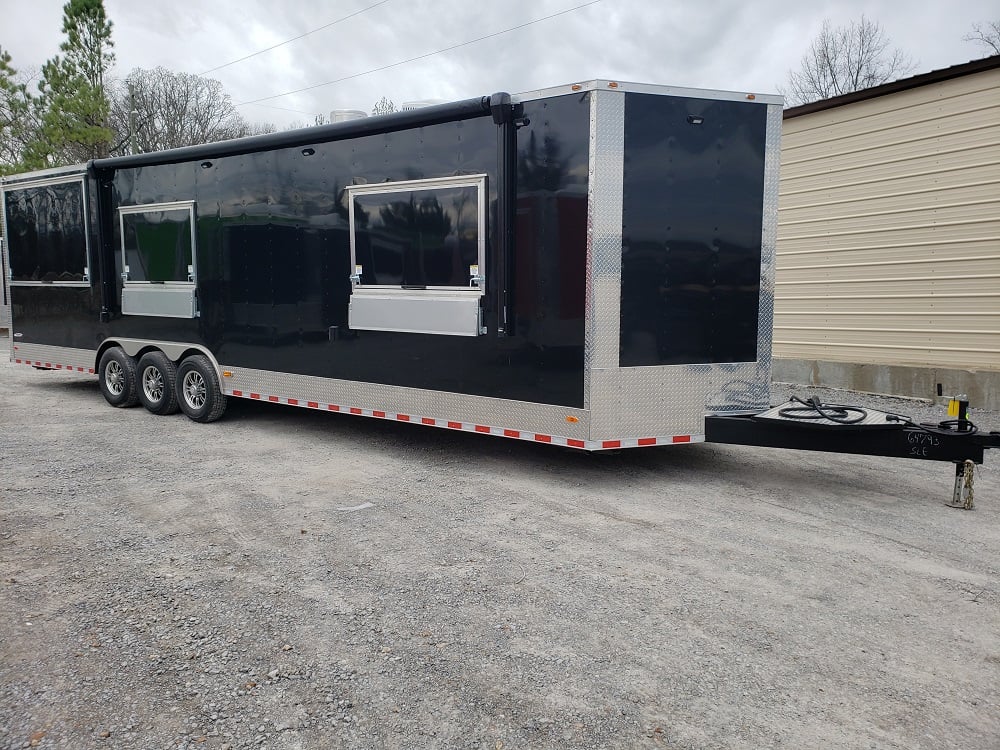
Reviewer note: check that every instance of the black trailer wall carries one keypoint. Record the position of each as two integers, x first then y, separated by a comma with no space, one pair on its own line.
52,247
691,241
273,257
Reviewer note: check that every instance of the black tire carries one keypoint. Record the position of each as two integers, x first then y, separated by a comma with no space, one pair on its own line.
198,391
116,375
157,383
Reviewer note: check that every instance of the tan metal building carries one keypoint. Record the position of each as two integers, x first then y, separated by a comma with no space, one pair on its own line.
888,249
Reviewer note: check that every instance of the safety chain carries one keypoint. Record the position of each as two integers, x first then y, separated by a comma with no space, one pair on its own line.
964,496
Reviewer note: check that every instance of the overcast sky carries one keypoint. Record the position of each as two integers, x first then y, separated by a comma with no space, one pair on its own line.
719,44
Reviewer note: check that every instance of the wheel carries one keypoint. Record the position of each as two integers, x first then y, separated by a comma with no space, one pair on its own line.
116,374
158,383
198,391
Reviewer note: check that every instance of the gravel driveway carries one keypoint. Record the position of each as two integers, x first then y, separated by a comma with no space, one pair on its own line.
289,579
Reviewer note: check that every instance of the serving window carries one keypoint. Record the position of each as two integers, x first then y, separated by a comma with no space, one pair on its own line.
47,237
159,259
418,252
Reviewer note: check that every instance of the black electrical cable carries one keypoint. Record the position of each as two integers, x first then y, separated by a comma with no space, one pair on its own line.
947,427
815,409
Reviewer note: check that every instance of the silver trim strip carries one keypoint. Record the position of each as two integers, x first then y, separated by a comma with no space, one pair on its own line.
768,242
146,207
41,178
470,180
59,284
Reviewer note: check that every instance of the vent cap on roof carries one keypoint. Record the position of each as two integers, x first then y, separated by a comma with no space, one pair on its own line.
343,115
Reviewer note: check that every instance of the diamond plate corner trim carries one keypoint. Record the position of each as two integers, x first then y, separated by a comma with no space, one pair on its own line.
604,240
769,232
673,399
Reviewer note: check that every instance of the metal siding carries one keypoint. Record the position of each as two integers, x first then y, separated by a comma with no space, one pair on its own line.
631,401
889,229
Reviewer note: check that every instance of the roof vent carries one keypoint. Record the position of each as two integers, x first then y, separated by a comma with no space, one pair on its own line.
343,115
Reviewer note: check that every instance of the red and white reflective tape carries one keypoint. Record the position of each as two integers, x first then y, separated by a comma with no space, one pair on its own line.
56,366
535,437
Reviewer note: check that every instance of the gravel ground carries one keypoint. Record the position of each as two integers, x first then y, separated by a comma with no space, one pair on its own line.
288,579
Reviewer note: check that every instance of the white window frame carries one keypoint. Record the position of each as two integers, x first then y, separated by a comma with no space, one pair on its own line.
439,310
146,208
160,299
477,181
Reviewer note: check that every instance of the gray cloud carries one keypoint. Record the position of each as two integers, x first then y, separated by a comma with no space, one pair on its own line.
722,44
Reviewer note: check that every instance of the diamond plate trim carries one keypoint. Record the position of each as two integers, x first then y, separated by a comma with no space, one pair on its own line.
53,357
604,229
476,427
439,405
672,399
539,423
768,239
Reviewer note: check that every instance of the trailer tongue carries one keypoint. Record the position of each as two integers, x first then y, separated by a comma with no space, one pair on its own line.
837,428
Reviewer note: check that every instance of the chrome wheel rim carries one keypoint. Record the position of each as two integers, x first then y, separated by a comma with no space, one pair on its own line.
152,384
114,376
195,392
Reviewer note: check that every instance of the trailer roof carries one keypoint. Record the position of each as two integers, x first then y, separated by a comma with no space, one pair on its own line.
650,88
462,110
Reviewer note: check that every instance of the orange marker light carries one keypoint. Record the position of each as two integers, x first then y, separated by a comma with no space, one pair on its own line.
612,85
751,97
227,374
575,87
572,420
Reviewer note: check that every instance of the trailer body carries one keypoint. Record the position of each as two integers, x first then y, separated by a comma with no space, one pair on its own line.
590,265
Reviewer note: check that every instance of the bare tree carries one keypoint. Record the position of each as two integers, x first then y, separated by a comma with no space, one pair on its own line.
299,124
987,34
384,106
162,109
844,59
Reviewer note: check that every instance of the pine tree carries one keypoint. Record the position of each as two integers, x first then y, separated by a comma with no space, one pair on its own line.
73,106
14,105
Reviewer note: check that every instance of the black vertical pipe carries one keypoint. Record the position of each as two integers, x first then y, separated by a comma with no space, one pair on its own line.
102,241
502,267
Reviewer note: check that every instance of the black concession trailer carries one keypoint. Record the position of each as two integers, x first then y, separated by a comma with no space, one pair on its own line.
590,266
